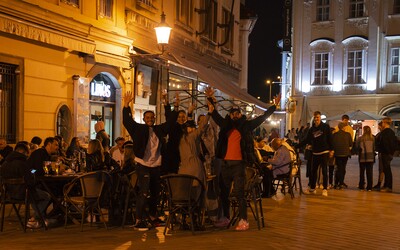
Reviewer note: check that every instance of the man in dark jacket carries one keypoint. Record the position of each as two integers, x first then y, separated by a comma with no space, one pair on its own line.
232,150
342,142
16,166
387,142
319,136
40,155
148,140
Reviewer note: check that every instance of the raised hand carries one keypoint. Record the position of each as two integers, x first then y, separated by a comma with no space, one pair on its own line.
164,97
210,107
128,97
277,99
209,91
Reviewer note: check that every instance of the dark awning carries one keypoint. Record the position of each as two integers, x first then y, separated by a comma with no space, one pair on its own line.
223,82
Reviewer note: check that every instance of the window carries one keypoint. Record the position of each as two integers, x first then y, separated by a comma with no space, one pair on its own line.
184,10
106,8
208,22
148,3
356,8
74,3
321,69
8,96
322,10
354,66
227,34
396,7
394,65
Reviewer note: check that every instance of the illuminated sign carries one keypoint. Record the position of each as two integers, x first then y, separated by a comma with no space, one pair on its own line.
99,88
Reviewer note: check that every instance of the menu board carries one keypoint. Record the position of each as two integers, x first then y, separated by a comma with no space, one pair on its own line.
82,110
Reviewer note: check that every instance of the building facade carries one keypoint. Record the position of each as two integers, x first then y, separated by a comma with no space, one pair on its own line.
65,64
344,57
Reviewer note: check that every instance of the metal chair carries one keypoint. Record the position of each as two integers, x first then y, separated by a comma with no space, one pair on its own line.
185,198
130,186
90,186
284,181
16,192
253,196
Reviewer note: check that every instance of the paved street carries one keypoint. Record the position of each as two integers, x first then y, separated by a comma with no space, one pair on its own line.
348,218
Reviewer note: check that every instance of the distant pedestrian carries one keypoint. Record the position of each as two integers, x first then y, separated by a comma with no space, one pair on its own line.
366,157
342,143
387,147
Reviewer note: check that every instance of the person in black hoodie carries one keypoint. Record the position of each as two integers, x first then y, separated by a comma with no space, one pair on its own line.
319,136
15,166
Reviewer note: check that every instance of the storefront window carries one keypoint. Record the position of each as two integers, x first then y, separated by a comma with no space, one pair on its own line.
182,86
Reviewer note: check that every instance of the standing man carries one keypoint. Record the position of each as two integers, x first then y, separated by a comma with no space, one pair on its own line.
148,140
232,151
347,128
342,144
387,142
319,136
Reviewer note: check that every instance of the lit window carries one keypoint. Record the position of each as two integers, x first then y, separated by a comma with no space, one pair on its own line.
356,8
394,65
184,11
321,63
322,10
354,66
106,8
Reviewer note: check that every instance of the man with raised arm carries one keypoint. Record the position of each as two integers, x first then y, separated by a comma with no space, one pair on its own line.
148,142
232,151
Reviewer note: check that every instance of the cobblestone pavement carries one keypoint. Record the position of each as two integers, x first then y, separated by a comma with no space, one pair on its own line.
347,218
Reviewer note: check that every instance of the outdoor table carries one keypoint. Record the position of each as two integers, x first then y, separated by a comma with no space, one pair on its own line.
49,182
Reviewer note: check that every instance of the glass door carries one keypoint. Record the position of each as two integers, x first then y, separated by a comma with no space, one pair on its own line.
105,113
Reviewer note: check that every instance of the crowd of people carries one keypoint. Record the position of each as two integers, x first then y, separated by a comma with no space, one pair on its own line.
221,147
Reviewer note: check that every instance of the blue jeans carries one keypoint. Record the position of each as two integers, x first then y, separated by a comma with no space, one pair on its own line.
233,171
149,190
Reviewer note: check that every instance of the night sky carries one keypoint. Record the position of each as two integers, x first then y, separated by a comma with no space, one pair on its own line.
264,55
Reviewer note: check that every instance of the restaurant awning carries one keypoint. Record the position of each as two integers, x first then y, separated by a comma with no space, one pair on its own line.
223,82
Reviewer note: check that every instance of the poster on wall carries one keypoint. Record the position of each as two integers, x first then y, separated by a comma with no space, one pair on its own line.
82,110
143,84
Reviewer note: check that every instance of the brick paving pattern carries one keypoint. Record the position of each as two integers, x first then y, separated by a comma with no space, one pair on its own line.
348,218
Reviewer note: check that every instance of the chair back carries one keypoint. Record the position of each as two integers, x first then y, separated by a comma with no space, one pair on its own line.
13,190
184,189
92,184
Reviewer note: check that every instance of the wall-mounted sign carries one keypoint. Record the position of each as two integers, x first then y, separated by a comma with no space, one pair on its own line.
100,89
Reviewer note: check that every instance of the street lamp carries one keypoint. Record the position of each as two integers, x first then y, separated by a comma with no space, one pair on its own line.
162,30
269,82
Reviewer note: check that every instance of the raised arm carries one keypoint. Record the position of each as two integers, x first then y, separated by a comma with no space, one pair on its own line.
253,124
127,119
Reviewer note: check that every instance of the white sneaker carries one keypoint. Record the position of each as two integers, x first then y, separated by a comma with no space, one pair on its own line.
325,192
310,191
242,226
